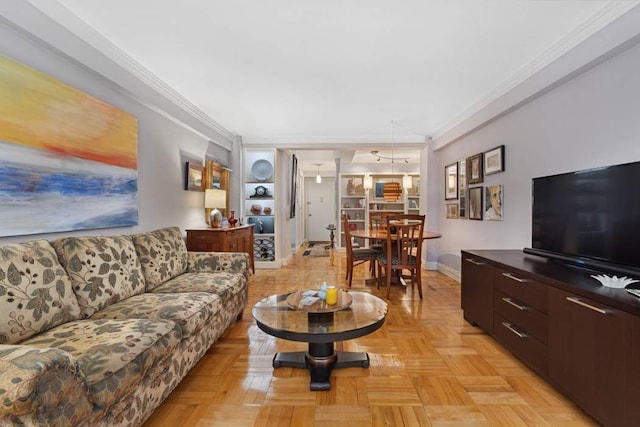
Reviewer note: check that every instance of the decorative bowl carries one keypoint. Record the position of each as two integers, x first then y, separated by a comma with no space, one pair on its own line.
256,209
266,210
614,282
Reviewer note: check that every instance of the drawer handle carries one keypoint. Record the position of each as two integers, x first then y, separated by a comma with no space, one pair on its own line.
512,277
514,330
474,262
518,306
584,304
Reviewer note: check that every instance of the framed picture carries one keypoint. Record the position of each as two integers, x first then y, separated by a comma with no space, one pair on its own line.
462,189
355,186
474,169
475,203
294,186
494,160
493,203
378,186
452,210
193,177
451,181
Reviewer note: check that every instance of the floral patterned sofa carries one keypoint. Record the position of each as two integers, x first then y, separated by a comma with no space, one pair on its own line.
98,330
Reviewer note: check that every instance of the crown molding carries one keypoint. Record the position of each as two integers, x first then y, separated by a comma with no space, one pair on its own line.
334,142
609,13
68,34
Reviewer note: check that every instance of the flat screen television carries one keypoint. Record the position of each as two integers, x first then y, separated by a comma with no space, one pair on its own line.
590,218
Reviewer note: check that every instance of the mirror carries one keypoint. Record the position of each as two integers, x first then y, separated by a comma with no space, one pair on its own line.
216,176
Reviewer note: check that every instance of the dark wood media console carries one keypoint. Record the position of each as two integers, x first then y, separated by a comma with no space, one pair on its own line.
582,337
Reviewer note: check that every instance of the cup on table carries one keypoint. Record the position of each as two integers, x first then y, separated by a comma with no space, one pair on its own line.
332,295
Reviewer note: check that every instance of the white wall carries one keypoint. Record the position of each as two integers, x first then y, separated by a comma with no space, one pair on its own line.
163,145
592,120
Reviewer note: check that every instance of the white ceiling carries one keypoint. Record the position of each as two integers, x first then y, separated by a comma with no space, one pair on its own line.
314,72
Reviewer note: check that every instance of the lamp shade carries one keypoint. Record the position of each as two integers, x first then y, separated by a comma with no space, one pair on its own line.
407,182
215,198
367,182
392,192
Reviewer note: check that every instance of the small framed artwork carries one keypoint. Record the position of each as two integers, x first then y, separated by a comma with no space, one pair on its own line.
452,210
494,160
451,181
474,169
462,189
493,203
193,177
475,203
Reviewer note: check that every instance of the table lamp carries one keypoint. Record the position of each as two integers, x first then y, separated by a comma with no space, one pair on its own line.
214,199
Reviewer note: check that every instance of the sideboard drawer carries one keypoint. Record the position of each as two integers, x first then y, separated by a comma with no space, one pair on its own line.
521,343
522,315
524,289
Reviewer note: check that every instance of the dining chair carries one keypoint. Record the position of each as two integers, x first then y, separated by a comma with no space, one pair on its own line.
403,250
378,222
355,257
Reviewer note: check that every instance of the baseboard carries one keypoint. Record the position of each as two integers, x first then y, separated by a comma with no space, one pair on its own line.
430,265
450,272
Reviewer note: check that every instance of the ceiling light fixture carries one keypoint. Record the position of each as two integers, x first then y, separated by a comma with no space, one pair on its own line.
392,191
393,159
318,177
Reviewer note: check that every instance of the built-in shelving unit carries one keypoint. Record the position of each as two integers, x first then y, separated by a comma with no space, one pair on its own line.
357,202
259,198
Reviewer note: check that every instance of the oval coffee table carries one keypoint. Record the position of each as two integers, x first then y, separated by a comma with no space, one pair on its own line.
321,330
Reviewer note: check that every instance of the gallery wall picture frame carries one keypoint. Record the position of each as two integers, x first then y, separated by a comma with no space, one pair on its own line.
451,181
475,173
193,177
294,186
493,203
494,160
452,210
462,189
475,203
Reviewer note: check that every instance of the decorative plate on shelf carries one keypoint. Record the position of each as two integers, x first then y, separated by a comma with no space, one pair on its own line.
262,170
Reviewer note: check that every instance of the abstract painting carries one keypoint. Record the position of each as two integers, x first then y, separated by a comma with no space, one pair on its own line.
68,161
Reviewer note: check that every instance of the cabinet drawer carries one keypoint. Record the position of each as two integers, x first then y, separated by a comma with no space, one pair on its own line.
522,315
533,293
521,344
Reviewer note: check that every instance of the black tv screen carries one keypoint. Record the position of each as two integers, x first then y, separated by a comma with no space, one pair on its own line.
589,215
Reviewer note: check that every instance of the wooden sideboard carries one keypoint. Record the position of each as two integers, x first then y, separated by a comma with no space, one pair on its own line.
227,239
580,336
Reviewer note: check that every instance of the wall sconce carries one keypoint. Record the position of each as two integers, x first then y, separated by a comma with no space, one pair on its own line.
367,183
214,199
407,182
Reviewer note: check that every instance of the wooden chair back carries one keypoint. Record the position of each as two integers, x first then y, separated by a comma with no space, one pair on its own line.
403,249
404,244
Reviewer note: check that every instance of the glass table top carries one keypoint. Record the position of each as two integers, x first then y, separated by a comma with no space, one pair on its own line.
275,313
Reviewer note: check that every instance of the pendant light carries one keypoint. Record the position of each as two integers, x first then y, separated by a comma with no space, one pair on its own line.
318,177
392,191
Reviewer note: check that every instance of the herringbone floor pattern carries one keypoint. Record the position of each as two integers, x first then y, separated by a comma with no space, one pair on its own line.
428,367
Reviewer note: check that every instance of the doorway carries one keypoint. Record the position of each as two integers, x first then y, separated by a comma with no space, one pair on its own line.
320,204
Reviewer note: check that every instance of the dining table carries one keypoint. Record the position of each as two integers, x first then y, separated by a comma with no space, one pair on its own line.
381,234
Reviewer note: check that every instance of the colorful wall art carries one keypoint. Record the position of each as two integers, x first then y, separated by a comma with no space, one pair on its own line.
68,161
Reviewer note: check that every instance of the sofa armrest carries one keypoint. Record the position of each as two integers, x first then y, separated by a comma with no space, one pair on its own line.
38,385
209,262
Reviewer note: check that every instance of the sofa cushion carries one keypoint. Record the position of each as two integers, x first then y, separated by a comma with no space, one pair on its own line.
35,291
113,355
162,253
103,269
225,285
190,311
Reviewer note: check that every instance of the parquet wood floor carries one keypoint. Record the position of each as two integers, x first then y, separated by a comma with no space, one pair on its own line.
428,367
